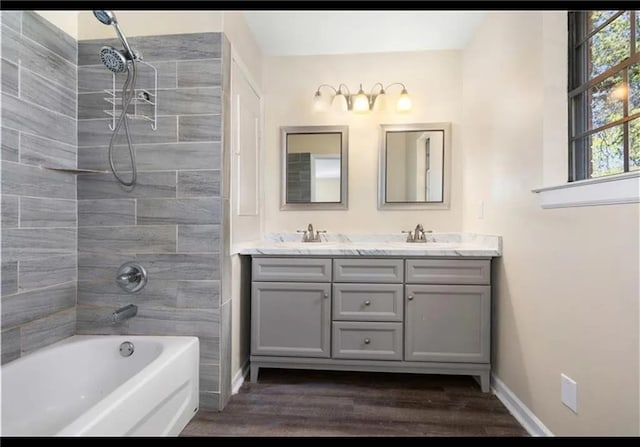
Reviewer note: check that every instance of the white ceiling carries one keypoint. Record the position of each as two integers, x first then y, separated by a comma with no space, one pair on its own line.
297,33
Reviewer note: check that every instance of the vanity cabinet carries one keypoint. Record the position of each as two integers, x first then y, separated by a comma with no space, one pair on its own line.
388,314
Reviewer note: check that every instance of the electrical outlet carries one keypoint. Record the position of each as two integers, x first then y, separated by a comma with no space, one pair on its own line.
569,392
481,210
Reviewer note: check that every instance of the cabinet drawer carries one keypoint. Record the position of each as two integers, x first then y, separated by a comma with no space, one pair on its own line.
368,270
374,341
449,271
368,302
291,269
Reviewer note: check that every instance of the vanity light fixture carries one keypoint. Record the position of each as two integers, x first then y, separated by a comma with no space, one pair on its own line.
361,102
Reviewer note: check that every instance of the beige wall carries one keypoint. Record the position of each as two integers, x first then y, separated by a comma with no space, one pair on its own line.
433,79
150,23
244,44
566,289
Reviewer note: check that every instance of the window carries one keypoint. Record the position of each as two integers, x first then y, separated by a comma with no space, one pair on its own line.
604,93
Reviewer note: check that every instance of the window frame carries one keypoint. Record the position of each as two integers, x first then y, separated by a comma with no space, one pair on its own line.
579,82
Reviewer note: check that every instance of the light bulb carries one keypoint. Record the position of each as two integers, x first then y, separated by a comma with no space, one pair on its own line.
404,102
319,103
360,102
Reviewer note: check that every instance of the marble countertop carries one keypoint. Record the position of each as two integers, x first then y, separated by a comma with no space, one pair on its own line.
337,244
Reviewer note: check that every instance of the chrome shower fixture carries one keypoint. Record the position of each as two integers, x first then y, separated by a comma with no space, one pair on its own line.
109,18
113,59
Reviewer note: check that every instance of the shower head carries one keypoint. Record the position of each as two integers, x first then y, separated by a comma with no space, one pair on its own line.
109,18
106,17
113,59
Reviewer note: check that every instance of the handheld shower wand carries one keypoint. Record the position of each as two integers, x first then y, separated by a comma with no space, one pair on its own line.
118,62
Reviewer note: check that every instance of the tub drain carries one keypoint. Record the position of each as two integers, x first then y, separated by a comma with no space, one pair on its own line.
126,349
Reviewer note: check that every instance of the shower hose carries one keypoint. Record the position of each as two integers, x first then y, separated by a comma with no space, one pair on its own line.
128,92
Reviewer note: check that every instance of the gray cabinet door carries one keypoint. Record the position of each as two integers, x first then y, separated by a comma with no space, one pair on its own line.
291,319
446,323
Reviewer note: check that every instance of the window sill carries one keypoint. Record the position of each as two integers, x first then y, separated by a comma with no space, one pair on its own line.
623,188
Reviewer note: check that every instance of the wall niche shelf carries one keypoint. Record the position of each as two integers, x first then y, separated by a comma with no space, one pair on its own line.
74,170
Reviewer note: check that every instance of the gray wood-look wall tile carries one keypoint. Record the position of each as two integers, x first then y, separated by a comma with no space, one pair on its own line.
45,152
43,92
27,117
202,73
45,331
209,377
10,82
152,320
198,238
10,341
37,212
209,401
225,353
131,239
28,306
47,271
199,183
96,78
178,156
9,211
199,128
103,267
157,293
190,101
20,244
104,186
178,211
153,157
9,278
12,19
97,133
108,212
157,48
182,266
48,35
10,144
10,44
198,294
48,64
33,181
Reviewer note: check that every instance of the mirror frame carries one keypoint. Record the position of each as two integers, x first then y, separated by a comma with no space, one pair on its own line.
344,164
446,169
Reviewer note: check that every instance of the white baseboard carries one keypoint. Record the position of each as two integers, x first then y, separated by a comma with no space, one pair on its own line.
238,379
518,409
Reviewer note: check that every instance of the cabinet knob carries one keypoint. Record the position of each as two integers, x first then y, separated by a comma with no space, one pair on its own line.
326,295
410,297
367,303
367,341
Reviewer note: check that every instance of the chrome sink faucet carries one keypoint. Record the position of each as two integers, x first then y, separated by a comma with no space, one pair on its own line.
311,236
417,235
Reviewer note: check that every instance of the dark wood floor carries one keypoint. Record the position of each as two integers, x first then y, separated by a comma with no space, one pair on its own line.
328,403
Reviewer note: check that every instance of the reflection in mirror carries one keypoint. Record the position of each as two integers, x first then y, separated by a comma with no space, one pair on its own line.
413,162
314,167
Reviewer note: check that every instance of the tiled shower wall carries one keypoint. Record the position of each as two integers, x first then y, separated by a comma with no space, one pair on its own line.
39,227
172,221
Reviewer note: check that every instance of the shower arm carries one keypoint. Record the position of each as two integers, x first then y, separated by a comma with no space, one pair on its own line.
124,41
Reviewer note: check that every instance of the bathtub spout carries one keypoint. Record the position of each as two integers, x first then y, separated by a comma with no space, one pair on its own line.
124,313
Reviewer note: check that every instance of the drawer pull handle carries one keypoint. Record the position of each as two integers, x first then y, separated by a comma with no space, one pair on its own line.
367,341
367,303
410,297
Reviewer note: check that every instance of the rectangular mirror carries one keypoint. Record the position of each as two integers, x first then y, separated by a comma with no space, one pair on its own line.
414,166
314,167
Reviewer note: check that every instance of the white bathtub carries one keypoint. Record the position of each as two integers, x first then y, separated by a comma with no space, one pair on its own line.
82,386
